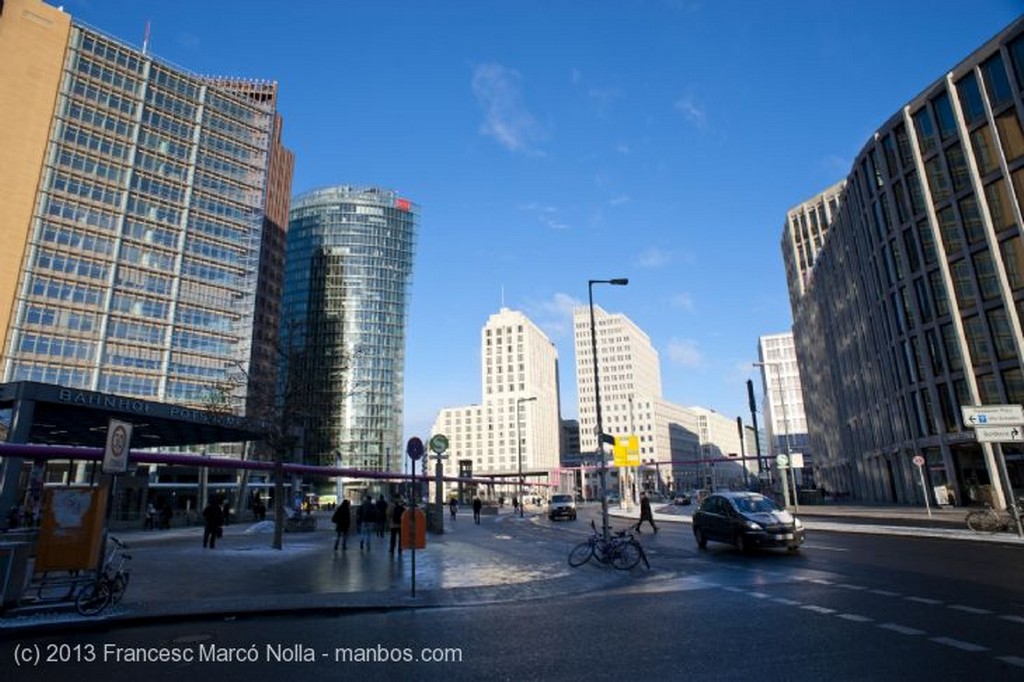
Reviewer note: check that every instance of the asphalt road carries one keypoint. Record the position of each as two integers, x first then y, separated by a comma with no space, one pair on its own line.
846,607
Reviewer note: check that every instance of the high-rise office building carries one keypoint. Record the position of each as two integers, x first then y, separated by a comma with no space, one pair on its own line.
912,307
630,377
519,414
785,421
347,276
142,213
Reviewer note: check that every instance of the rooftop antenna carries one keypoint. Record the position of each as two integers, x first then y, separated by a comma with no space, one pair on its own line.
145,39
502,295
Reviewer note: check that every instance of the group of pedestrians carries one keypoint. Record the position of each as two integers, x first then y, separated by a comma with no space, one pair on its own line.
369,519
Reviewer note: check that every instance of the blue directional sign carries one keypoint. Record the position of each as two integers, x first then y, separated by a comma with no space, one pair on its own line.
992,415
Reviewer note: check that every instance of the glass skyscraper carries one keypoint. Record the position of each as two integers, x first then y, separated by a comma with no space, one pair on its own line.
347,277
141,209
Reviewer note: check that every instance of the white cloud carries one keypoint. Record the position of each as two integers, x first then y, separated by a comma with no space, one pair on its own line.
685,353
653,258
546,215
622,148
693,112
554,315
619,200
682,300
498,90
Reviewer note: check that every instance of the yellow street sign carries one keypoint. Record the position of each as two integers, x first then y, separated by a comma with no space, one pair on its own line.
626,451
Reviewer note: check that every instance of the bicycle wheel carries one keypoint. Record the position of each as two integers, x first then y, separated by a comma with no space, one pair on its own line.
581,554
983,521
93,598
117,587
626,555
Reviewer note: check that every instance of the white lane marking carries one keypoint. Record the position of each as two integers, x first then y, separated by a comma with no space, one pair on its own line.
924,600
970,609
902,629
787,602
735,589
959,644
759,595
827,548
819,581
1013,619
885,593
851,587
818,609
855,618
1012,660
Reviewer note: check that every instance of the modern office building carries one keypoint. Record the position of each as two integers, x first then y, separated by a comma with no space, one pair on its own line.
347,276
785,422
518,419
912,306
142,211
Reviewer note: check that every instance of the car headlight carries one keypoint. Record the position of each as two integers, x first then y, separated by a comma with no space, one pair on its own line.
753,525
797,523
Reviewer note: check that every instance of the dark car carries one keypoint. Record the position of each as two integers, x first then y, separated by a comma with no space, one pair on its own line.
746,520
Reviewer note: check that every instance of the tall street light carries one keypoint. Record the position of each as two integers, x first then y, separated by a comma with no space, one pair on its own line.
519,450
785,427
619,282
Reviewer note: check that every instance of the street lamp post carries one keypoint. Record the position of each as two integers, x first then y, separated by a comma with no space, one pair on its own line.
519,450
785,427
621,282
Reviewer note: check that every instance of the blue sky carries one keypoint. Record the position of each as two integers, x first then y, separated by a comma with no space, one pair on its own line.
551,142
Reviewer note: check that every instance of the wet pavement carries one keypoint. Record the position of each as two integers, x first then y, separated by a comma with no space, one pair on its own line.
505,558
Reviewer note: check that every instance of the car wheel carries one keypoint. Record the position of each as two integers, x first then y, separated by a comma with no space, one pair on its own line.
698,535
742,544
793,548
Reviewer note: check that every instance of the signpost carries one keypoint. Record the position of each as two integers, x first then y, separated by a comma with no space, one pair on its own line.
414,449
919,461
782,461
998,424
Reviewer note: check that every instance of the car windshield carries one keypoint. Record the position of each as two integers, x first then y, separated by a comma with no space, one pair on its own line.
561,498
754,505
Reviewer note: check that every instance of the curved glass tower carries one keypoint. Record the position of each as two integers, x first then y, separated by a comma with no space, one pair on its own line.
347,276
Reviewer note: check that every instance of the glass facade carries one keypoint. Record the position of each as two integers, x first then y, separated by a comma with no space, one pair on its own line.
141,269
347,276
892,340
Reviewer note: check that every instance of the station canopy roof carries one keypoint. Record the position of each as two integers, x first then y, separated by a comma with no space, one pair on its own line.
57,415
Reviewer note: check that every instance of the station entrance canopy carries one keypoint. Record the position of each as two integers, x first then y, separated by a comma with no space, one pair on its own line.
57,415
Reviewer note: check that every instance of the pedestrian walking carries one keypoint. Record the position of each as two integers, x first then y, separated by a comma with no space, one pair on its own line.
515,504
150,516
366,520
395,512
453,507
213,523
382,516
645,513
342,520
477,506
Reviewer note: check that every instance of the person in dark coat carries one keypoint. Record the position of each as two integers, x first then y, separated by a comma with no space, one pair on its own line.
645,513
382,516
213,522
477,506
342,520
395,512
366,521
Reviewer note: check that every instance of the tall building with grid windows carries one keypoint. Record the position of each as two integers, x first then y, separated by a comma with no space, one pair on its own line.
347,276
142,211
913,305
785,421
519,413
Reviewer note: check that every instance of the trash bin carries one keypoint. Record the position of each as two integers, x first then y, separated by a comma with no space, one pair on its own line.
14,558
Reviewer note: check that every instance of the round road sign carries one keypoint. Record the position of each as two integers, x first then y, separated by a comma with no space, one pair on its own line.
439,443
919,460
414,448
782,460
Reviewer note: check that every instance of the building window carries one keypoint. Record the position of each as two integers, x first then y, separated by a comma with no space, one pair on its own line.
1002,335
1010,133
970,99
996,82
977,340
1013,261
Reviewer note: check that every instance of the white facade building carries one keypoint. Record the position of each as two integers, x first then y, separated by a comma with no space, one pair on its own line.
519,373
785,420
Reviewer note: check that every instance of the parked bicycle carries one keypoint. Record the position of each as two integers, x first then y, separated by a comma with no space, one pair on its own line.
110,583
991,520
621,549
